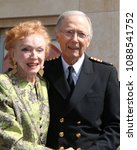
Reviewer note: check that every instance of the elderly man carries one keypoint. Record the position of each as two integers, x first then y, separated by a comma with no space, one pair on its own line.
84,94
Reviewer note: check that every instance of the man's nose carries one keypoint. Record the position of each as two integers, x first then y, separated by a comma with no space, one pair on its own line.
75,36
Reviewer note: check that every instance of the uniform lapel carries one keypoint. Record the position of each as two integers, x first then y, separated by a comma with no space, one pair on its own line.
58,79
62,86
85,81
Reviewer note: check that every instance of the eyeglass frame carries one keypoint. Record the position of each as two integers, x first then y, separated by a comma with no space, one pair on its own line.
71,33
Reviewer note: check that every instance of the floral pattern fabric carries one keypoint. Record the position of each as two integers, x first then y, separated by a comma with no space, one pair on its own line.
24,114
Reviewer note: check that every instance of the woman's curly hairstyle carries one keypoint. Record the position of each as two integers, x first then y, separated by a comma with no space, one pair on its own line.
23,29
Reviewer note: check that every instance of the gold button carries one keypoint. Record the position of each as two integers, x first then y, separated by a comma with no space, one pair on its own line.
79,122
61,148
61,120
78,149
61,134
78,135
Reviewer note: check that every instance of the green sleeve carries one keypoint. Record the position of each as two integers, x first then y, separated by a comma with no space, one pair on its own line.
11,131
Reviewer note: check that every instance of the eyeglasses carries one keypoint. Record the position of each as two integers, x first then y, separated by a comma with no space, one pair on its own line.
71,33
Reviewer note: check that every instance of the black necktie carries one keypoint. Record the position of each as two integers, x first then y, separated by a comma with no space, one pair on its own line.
70,79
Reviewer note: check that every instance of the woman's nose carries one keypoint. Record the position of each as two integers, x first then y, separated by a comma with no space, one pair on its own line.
33,54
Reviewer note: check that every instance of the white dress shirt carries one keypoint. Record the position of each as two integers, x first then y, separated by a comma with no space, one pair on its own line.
77,68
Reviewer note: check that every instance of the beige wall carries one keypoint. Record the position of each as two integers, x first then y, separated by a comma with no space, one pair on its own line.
104,15
23,8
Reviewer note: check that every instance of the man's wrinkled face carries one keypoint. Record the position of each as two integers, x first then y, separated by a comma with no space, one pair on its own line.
73,37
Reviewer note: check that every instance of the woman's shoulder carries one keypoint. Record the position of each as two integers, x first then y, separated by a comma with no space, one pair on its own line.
3,77
5,88
4,81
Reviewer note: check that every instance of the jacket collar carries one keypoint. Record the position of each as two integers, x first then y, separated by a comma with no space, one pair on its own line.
85,81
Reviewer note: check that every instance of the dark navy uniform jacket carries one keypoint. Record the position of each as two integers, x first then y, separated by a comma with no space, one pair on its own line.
89,119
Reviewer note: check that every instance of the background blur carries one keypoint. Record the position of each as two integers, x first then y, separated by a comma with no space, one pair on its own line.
104,15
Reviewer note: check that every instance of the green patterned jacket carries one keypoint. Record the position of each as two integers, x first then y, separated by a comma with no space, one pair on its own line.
24,114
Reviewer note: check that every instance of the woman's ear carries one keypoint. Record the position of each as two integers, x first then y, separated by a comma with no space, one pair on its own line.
11,52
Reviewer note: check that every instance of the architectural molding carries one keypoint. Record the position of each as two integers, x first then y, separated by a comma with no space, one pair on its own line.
10,22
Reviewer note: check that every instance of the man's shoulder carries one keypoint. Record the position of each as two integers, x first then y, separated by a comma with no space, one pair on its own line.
52,59
97,60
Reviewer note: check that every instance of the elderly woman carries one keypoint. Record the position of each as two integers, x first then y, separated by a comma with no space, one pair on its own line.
24,108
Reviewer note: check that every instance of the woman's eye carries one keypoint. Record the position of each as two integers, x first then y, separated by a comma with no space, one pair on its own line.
26,49
30,49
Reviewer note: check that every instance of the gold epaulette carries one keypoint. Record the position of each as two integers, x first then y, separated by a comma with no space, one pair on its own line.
53,58
99,60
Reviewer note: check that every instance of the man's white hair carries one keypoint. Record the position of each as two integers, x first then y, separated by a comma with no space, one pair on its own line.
70,13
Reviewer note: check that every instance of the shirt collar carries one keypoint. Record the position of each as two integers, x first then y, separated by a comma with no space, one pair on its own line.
76,66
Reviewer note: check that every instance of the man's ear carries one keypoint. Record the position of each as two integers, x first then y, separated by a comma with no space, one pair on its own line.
57,36
88,42
54,52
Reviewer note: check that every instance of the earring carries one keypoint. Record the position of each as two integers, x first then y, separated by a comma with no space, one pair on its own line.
41,71
14,70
